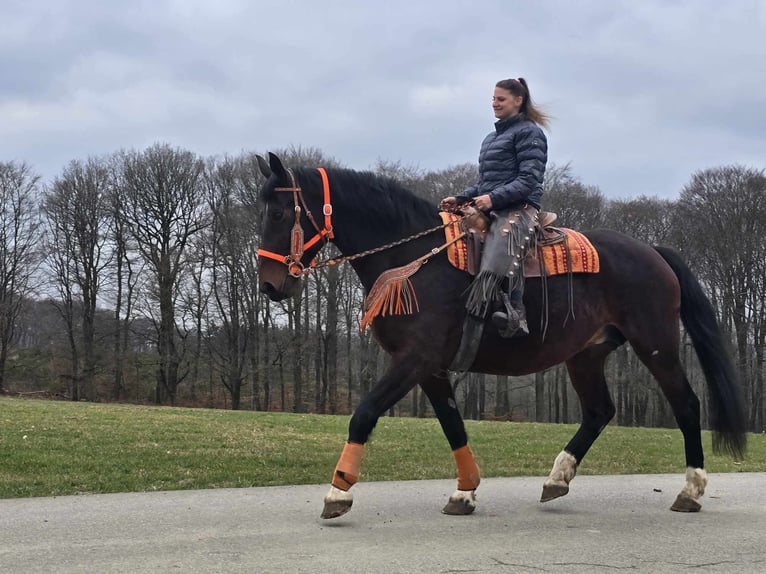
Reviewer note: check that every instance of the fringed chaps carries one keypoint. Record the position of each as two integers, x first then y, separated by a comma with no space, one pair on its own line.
508,241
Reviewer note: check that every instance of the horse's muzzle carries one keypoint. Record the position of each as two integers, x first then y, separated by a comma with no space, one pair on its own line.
280,289
272,292
275,282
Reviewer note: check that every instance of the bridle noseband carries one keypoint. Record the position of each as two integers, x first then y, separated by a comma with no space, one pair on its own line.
297,246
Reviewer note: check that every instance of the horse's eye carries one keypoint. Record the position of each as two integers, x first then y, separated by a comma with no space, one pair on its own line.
276,214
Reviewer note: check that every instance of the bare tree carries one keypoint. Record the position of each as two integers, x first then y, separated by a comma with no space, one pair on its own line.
195,293
256,314
578,205
19,241
758,304
164,209
358,346
409,176
450,181
59,259
648,219
230,226
720,225
330,279
126,271
78,211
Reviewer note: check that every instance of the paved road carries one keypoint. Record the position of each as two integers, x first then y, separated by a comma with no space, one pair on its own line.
605,524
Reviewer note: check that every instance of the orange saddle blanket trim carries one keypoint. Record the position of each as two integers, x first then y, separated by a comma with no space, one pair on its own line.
576,254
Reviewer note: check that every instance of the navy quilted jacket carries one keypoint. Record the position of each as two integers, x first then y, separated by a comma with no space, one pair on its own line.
512,164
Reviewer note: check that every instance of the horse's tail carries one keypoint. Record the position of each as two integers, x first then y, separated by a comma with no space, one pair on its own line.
698,316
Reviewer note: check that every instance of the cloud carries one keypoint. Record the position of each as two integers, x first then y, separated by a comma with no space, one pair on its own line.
641,93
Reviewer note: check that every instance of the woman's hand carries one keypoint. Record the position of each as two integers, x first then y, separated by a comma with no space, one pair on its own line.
483,202
448,203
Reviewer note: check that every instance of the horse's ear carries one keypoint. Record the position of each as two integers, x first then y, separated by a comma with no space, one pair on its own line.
276,165
263,165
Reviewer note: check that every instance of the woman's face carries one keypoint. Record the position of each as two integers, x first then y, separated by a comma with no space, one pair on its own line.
505,104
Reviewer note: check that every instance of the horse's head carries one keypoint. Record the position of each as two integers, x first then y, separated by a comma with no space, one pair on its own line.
288,218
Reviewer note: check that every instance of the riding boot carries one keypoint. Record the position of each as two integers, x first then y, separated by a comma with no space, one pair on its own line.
512,322
506,321
517,302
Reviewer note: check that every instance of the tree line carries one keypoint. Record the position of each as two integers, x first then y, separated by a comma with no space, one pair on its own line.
133,277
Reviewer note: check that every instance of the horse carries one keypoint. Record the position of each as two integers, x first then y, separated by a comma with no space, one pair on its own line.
639,295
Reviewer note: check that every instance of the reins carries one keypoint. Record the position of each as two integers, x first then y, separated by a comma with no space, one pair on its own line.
298,246
436,250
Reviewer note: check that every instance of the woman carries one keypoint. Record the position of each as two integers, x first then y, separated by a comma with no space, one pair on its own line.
510,187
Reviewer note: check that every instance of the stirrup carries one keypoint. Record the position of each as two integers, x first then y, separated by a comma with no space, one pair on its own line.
509,324
508,328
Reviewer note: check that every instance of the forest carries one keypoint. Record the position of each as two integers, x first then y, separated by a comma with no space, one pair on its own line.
133,277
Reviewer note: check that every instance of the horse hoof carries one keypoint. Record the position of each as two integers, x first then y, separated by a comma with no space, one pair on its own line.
685,503
337,503
336,508
552,491
462,503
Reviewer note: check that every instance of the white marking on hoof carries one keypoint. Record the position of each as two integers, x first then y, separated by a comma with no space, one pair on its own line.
696,481
337,502
557,483
461,502
335,494
563,471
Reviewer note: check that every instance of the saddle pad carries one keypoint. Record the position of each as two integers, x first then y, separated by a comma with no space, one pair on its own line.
577,254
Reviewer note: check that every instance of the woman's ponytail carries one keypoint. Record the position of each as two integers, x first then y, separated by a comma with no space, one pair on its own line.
519,87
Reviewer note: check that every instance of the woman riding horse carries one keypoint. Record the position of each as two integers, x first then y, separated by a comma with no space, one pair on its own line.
511,171
638,295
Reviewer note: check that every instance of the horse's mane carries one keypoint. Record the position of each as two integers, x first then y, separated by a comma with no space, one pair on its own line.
373,200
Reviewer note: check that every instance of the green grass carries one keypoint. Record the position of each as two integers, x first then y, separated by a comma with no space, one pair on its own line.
56,448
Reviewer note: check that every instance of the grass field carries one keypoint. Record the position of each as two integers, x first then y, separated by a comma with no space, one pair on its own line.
56,448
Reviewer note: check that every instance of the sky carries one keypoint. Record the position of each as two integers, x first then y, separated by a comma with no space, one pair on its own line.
642,94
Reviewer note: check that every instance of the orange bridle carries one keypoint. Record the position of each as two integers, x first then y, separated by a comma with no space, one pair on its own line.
297,245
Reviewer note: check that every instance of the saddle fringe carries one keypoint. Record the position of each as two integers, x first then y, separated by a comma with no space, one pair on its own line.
392,294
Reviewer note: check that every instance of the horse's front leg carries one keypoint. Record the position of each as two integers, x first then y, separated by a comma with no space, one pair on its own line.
439,391
338,500
389,390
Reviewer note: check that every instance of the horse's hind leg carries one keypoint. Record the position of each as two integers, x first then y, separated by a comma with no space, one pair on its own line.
663,362
586,371
440,393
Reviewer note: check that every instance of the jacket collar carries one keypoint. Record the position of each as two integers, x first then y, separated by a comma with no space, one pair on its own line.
502,125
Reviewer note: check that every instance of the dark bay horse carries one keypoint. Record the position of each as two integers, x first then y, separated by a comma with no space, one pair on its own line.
639,295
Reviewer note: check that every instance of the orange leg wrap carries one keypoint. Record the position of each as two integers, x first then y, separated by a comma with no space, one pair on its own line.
347,470
468,476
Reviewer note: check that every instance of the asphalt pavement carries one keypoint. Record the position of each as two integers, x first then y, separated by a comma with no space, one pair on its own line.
605,524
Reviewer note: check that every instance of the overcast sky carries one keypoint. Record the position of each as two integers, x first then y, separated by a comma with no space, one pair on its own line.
642,93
